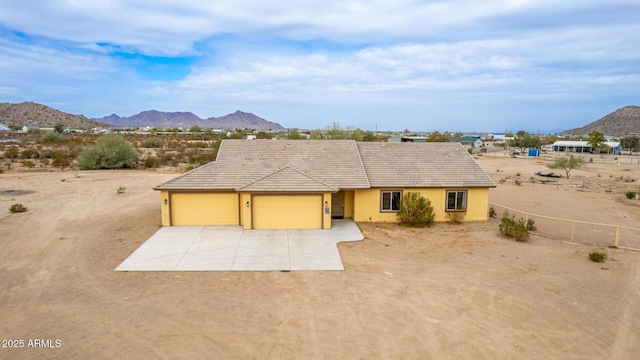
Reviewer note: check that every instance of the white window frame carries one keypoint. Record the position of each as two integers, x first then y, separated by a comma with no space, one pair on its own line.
390,192
456,207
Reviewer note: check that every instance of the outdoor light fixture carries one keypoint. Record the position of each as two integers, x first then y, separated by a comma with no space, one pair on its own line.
247,203
165,201
326,204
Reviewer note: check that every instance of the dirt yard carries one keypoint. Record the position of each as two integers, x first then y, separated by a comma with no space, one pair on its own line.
450,291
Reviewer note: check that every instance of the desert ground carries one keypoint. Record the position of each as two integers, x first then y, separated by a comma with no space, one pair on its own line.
448,291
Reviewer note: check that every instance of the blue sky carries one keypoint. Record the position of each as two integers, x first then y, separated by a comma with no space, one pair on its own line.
462,65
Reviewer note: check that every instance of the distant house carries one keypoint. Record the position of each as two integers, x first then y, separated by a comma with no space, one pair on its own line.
274,184
613,147
468,142
4,127
26,128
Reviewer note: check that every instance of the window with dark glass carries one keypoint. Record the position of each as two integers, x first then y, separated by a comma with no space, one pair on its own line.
390,200
457,200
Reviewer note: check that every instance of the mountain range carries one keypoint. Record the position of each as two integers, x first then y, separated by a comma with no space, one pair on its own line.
159,119
30,113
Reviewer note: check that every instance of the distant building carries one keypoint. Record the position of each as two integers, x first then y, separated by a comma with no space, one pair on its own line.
469,142
4,127
407,139
26,128
613,147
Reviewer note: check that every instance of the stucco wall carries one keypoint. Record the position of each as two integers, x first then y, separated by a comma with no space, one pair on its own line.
367,204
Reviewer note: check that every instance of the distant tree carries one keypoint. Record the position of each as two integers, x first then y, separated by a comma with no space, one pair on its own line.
548,140
316,134
264,135
294,134
596,140
33,131
51,137
59,128
369,136
631,143
110,152
458,134
337,132
567,163
436,136
523,140
195,129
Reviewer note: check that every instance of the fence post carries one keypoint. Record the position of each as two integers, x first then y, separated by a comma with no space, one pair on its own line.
617,241
573,229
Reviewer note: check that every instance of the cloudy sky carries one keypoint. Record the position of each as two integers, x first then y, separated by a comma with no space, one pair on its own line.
454,65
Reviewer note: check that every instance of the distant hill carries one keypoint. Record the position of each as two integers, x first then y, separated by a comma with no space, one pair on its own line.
621,122
30,113
159,119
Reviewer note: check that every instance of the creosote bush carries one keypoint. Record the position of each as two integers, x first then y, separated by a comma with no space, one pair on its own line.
415,210
597,256
510,227
630,194
15,208
110,152
456,217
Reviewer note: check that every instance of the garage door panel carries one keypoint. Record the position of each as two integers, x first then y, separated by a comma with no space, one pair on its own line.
204,209
287,212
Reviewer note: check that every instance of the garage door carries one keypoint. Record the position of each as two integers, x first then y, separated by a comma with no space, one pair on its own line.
287,211
204,209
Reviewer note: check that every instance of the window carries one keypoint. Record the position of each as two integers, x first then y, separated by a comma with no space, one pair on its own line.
390,200
457,200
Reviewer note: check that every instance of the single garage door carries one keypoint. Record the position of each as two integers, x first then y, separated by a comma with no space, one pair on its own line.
204,209
287,211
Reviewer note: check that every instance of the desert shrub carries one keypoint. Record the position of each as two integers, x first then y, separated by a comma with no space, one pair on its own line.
151,162
510,227
630,194
531,225
15,208
61,158
110,152
415,210
518,182
11,152
28,163
597,256
152,142
492,212
51,137
502,180
29,153
456,217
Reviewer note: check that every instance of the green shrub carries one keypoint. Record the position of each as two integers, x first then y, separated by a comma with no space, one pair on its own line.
28,163
110,152
15,208
510,227
151,162
152,142
597,256
630,194
531,225
51,137
492,212
415,210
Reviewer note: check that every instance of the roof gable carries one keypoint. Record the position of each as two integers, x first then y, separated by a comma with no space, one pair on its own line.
287,179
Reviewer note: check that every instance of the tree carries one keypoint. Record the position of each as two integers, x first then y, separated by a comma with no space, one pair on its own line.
195,129
59,128
415,210
567,163
294,134
596,140
337,132
436,136
523,140
110,152
631,143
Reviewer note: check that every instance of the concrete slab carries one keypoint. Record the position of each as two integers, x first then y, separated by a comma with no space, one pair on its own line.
230,248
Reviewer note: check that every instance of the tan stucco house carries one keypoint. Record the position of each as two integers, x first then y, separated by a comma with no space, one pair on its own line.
271,184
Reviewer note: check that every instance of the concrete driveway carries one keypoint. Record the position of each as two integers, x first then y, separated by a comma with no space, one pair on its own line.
230,248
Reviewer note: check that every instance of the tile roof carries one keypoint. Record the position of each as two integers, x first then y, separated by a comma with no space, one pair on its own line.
331,165
421,165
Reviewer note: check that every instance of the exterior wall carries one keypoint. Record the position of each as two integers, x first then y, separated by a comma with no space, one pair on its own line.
326,210
165,205
245,210
367,204
348,204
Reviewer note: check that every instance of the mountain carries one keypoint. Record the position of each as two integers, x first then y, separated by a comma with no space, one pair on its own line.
159,119
621,122
30,113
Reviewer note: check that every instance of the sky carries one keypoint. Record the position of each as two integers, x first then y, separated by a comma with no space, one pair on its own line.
454,65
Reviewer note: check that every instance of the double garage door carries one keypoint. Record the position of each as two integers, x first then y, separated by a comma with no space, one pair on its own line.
268,211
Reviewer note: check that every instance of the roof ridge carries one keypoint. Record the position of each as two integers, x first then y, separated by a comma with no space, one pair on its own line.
366,175
185,174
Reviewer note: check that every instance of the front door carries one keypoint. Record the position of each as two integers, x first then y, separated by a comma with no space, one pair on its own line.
337,205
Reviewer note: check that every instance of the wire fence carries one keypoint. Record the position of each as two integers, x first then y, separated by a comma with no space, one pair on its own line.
583,232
